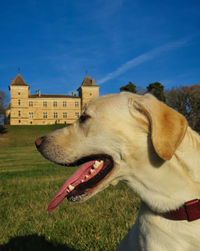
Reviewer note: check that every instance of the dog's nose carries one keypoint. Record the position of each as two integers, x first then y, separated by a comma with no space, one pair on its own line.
39,141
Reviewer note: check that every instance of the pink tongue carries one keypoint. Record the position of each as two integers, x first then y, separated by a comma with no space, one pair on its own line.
74,180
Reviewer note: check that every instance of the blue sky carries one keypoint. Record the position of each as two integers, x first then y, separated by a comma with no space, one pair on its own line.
55,42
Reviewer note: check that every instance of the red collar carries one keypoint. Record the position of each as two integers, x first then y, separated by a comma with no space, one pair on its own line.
189,211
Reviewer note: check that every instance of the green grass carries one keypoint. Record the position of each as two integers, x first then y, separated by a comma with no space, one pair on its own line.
24,135
28,182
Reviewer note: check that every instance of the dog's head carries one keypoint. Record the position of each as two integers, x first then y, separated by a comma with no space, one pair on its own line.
111,136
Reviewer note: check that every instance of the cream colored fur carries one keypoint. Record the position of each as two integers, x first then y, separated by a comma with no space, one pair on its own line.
154,151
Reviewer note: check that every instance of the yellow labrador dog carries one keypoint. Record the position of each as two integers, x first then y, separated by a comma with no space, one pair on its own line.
141,141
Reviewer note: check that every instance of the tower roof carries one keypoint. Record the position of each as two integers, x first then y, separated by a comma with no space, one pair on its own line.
19,81
88,81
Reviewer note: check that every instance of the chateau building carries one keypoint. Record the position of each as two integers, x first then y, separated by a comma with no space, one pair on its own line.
42,109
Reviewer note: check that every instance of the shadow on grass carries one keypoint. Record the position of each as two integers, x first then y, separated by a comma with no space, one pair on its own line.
33,243
3,130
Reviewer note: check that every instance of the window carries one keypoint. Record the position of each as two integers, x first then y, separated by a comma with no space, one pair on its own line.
64,115
90,94
30,103
45,115
31,115
19,102
19,93
45,103
19,121
77,115
64,103
55,115
55,103
19,113
76,104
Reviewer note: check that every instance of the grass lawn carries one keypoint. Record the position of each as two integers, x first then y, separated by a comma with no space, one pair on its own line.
27,184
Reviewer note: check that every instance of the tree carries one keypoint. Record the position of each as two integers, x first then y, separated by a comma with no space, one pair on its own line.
2,102
186,100
130,87
2,110
157,89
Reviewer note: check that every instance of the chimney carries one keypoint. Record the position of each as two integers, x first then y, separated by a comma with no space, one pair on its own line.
38,92
74,94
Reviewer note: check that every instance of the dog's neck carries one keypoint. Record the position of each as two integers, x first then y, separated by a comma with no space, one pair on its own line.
189,157
170,185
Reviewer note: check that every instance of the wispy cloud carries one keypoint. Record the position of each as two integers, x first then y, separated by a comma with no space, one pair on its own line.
143,58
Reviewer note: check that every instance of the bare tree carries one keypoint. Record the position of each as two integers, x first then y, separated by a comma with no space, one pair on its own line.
2,111
2,102
186,100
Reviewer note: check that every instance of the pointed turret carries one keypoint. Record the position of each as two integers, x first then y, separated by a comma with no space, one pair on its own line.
19,81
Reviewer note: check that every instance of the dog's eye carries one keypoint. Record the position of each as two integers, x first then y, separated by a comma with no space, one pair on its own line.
83,118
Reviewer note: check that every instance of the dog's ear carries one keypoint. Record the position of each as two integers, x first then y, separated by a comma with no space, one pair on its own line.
167,126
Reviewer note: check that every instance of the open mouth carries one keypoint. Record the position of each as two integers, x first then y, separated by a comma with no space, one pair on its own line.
93,169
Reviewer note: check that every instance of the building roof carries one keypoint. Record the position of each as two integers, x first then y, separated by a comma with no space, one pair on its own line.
18,81
88,81
52,96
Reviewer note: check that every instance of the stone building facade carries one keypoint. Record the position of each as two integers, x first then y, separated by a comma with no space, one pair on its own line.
43,109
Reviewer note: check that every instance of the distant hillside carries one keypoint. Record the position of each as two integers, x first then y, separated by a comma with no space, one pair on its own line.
24,135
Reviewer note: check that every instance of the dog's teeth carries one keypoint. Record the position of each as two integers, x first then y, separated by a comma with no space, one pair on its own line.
82,181
97,163
86,176
71,188
91,170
